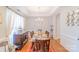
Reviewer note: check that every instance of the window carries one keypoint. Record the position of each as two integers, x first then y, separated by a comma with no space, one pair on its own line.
18,24
14,22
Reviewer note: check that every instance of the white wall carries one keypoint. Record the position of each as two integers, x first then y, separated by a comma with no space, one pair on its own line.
56,23
68,34
32,24
2,25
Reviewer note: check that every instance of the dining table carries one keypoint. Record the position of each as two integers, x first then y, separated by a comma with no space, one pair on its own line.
40,43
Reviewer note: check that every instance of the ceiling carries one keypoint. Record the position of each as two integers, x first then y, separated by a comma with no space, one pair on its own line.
34,10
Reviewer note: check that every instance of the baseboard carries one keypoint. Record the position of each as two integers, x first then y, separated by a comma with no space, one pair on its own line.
57,39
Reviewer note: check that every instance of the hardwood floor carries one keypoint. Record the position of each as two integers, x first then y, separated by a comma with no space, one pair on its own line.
26,47
54,47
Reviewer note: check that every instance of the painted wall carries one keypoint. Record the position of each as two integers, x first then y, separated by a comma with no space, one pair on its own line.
2,25
68,34
56,22
33,24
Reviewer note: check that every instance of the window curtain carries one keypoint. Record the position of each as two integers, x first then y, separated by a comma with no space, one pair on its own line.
13,23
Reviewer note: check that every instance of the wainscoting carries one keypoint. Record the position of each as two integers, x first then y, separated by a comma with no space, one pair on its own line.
69,42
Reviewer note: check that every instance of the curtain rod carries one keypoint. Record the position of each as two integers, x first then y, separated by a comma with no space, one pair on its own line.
14,11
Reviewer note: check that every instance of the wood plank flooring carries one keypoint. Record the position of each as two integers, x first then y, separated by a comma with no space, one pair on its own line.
54,46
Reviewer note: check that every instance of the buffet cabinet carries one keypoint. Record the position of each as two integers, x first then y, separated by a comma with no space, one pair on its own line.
20,40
